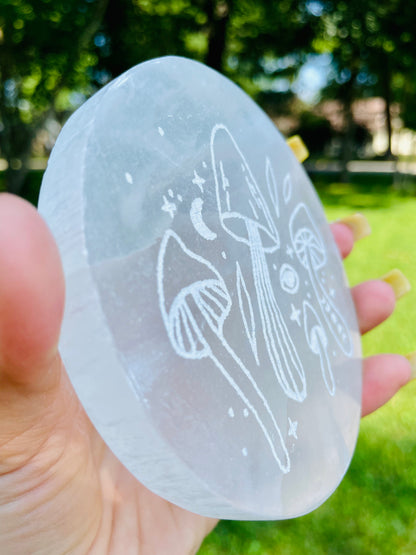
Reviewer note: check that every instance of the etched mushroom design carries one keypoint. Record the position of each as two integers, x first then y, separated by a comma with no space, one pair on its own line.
318,344
194,304
311,253
244,215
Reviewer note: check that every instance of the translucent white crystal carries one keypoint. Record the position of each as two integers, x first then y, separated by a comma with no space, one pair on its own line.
209,331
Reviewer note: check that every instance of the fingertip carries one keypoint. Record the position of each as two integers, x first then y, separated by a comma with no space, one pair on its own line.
383,376
374,301
31,290
344,238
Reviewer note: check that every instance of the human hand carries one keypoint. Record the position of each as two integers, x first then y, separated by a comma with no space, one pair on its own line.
61,489
384,374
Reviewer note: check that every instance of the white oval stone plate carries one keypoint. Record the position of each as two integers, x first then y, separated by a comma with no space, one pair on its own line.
209,331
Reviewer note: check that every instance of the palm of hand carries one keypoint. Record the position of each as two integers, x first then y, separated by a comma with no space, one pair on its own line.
74,494
61,489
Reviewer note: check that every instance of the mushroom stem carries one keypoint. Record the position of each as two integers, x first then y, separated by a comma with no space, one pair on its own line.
242,381
335,322
194,321
321,350
318,344
282,352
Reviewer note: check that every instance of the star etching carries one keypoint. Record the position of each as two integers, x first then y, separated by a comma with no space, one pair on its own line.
169,207
293,427
289,251
198,181
295,315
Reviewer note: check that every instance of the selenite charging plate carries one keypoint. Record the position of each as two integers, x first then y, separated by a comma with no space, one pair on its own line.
209,331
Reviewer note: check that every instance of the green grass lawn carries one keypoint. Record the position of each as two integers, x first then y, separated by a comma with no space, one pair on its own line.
374,509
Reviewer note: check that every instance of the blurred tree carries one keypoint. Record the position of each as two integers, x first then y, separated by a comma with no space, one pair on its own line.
257,43
268,41
45,53
370,44
316,132
242,38
52,50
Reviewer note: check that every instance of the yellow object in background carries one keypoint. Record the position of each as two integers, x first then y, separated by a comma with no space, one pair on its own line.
298,148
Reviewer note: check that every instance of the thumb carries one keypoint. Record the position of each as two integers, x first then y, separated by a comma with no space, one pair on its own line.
31,294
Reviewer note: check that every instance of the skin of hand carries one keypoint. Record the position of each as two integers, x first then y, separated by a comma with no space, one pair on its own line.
61,489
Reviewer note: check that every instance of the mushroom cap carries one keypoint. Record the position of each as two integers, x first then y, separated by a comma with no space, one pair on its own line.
191,294
240,202
306,238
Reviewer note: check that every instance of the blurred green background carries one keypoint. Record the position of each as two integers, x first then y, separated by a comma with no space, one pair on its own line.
343,75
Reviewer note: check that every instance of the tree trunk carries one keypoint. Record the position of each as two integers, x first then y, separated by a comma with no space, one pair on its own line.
386,76
348,140
16,145
17,137
15,179
218,17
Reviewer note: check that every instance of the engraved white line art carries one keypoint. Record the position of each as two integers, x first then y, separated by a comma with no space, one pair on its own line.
197,221
244,300
225,186
129,178
261,236
289,251
311,253
198,181
272,187
287,188
295,314
161,131
318,343
293,427
194,321
289,279
169,207
253,209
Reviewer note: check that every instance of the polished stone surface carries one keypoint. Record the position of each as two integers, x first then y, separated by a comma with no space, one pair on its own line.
209,331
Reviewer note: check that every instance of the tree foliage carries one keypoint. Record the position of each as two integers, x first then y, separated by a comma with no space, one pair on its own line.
45,54
54,53
53,49
371,46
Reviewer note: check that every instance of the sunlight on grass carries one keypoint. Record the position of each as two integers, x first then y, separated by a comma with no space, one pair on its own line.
374,509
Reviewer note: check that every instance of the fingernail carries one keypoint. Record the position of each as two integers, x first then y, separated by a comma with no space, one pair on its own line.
412,359
358,224
398,281
298,148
